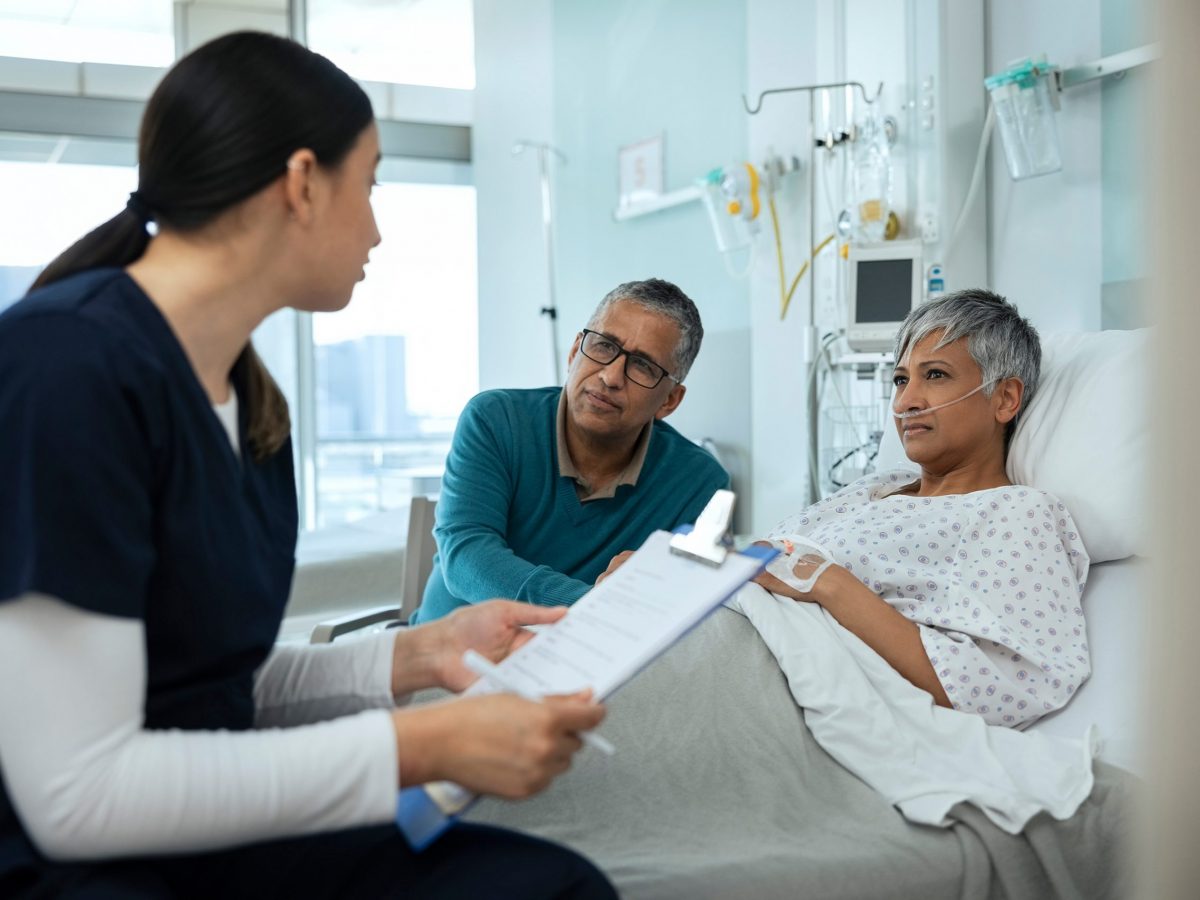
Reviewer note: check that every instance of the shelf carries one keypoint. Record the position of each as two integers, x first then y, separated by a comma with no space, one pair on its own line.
664,201
1115,64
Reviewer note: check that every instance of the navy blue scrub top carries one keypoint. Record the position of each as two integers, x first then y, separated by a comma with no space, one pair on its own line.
120,493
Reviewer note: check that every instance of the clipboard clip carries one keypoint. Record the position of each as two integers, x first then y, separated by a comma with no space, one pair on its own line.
709,540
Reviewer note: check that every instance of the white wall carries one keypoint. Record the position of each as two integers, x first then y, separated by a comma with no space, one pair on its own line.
1055,281
823,41
1045,240
783,41
513,101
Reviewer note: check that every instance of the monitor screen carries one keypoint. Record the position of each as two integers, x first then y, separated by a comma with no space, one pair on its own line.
884,290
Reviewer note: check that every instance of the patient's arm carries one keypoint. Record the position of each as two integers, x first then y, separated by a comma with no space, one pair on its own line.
860,610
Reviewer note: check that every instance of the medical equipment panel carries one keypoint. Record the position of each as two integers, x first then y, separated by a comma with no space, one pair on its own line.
884,282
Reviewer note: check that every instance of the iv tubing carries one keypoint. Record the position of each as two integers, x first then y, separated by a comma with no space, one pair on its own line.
816,250
985,136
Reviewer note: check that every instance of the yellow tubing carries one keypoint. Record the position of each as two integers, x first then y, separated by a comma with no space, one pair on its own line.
778,253
755,203
804,268
785,298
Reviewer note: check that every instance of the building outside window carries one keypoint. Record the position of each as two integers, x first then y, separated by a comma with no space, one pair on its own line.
396,366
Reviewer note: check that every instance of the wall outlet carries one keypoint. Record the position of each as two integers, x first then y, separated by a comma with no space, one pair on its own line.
930,233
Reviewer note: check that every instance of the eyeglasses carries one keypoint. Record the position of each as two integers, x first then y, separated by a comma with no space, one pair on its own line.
641,371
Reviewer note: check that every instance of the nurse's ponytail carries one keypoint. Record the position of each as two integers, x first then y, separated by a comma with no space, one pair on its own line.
118,242
219,128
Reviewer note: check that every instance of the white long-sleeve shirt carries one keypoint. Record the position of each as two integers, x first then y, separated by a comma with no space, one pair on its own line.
89,782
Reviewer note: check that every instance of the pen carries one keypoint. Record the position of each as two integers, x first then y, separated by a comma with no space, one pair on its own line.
486,669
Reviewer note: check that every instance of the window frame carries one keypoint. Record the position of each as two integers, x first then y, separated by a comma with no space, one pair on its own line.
408,145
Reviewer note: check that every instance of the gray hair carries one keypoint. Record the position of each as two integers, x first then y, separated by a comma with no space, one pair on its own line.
1002,343
667,300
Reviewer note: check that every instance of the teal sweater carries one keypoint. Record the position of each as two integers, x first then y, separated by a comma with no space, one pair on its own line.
508,525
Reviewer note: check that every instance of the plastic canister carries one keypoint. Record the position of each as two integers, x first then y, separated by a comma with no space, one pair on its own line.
1025,118
725,226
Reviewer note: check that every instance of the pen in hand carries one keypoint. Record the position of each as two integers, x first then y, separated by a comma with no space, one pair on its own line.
486,669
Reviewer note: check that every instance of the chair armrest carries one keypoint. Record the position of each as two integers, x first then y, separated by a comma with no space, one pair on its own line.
325,632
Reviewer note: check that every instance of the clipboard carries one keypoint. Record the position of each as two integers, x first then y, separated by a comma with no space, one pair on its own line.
663,591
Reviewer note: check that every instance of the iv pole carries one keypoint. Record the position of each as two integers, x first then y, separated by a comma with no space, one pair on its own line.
543,150
811,89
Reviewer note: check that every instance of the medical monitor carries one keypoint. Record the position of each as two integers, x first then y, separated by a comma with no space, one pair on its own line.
885,282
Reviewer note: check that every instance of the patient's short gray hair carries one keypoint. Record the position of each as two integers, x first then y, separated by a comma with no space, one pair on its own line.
1003,343
666,299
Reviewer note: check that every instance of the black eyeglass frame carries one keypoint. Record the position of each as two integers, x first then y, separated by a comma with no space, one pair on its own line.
621,351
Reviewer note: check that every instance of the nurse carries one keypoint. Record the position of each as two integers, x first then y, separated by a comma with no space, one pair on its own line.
152,741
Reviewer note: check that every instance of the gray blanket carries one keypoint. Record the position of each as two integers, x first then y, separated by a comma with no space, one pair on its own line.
719,790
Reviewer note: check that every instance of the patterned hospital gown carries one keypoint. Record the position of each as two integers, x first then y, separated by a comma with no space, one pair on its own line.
994,580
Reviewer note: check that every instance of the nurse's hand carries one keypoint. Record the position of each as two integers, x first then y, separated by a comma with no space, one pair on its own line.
495,744
431,655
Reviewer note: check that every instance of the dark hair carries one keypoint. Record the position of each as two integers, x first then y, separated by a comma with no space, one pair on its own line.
219,128
666,299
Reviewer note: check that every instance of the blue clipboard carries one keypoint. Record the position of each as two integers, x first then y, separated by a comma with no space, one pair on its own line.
423,819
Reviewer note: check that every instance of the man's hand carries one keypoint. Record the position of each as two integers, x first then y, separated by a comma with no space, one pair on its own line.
495,744
431,655
615,563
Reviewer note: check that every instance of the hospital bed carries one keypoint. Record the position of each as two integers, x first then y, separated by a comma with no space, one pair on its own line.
719,790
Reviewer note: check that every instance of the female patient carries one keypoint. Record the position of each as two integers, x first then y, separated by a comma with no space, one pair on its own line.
968,585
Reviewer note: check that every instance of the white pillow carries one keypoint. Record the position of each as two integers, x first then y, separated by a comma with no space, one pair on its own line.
1084,438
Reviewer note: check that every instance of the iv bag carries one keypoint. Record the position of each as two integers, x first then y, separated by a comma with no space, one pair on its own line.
870,180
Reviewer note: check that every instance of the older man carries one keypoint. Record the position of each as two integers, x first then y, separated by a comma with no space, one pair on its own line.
543,487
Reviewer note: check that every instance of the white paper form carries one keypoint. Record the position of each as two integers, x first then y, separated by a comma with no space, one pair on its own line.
623,623
606,638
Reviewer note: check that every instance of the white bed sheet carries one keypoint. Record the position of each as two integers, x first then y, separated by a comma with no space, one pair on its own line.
1114,606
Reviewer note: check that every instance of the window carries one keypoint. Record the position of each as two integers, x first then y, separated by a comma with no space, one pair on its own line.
128,32
55,190
375,389
396,366
393,369
429,42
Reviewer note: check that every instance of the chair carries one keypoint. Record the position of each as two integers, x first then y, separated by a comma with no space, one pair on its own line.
418,564
418,554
